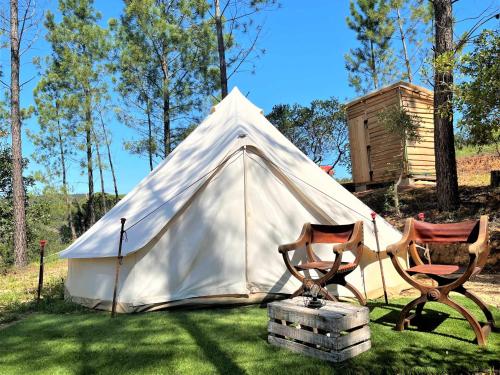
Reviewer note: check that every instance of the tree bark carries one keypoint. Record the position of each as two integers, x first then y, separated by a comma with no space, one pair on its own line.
444,143
403,42
221,49
374,68
69,213
166,107
90,169
101,174
110,159
150,134
20,249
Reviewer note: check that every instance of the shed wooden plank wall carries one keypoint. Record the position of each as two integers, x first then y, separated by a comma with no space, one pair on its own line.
421,161
374,149
385,149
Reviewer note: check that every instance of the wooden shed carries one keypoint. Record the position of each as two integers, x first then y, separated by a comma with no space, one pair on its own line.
377,155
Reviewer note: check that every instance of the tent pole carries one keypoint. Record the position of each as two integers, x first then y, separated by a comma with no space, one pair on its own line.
119,260
374,215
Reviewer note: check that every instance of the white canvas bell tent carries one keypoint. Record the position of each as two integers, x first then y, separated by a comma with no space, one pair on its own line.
205,225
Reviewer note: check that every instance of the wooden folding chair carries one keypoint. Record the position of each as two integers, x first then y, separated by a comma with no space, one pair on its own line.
449,278
345,237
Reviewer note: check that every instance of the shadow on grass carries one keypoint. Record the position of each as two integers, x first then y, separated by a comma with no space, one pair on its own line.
429,321
231,340
210,347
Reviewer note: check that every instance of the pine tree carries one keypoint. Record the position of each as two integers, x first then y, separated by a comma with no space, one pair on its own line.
166,51
57,132
20,244
412,18
444,140
107,142
371,65
478,98
80,48
237,15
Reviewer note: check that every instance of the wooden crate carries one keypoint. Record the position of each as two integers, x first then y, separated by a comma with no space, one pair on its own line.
335,332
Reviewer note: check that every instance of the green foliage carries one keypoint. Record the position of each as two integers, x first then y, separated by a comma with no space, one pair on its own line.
58,125
372,64
463,149
412,20
74,82
4,118
166,52
79,215
478,96
399,121
319,130
6,210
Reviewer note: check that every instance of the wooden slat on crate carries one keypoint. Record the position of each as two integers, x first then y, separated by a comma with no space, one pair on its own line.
325,355
333,317
334,341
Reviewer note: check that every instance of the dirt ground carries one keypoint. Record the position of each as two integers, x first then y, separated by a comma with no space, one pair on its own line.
475,170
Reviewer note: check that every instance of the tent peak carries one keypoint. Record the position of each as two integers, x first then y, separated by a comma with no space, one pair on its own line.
235,91
236,99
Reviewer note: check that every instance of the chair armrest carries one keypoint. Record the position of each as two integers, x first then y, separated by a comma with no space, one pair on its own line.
353,243
403,243
290,246
481,243
481,247
339,248
300,242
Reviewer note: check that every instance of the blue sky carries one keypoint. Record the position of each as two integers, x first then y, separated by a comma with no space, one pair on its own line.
305,43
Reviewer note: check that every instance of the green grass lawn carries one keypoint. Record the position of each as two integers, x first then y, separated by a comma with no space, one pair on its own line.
70,340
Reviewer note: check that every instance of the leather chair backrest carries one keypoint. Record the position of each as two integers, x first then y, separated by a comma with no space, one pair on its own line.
463,232
331,233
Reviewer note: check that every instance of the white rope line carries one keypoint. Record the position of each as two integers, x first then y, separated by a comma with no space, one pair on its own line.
224,161
315,188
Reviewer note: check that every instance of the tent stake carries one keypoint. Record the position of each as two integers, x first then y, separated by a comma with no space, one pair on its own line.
119,259
374,215
40,272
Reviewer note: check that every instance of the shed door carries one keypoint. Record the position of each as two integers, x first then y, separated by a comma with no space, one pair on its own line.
359,151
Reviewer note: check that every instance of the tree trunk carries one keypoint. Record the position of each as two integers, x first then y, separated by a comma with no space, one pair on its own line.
403,42
69,213
101,175
373,66
20,250
150,134
446,167
221,48
110,159
90,169
166,108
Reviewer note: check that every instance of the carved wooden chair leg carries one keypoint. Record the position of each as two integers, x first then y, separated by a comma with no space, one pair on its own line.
298,292
403,316
478,330
356,292
420,308
328,295
484,308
